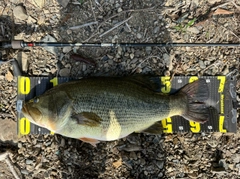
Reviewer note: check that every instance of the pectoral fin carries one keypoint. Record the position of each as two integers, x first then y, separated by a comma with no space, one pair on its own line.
154,129
93,142
87,118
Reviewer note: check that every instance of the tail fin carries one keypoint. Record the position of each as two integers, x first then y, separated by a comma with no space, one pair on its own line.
197,92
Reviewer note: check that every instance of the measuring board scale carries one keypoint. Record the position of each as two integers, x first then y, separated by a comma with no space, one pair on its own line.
222,96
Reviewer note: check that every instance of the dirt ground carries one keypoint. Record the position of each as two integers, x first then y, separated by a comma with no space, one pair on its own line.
183,155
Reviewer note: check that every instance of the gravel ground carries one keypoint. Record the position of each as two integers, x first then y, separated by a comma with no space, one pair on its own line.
185,155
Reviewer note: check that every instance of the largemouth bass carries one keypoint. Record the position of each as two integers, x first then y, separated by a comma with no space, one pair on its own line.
107,108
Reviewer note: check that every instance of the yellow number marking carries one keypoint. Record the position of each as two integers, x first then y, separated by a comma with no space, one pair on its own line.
24,126
222,104
24,85
166,81
54,81
222,83
221,123
167,125
192,79
195,127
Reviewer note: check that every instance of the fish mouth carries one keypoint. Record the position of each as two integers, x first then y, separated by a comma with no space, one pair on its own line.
25,109
31,113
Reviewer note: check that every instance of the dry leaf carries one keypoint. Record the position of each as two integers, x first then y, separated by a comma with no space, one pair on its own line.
39,3
9,76
220,11
117,163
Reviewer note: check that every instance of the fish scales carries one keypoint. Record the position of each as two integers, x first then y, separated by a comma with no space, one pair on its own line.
125,99
106,108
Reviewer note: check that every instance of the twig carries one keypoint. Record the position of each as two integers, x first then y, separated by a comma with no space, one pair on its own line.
5,114
143,62
93,10
5,157
115,15
238,7
84,25
220,5
13,113
227,29
117,25
174,72
214,64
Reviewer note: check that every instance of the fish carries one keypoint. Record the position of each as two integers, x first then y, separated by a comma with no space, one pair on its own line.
98,109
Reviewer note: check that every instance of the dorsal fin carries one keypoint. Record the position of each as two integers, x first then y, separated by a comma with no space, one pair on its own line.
146,81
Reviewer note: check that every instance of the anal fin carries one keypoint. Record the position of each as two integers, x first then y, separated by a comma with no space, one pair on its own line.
93,142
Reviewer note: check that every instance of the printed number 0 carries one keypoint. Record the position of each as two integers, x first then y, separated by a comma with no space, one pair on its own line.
24,85
24,126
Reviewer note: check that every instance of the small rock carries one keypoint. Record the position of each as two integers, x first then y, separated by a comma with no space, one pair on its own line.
49,38
20,13
160,175
25,172
31,20
167,73
131,55
148,49
62,142
213,1
67,49
28,162
133,155
119,10
20,145
236,158
202,65
119,50
226,70
139,36
41,20
110,62
166,59
212,143
64,72
223,164
9,76
160,164
39,3
118,163
193,30
24,58
156,29
84,67
63,3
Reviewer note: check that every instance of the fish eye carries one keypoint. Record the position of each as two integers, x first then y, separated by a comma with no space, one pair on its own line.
36,100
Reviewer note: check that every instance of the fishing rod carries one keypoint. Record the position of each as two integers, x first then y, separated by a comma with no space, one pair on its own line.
18,44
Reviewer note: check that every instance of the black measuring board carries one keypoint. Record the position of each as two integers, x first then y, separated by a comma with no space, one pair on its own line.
222,97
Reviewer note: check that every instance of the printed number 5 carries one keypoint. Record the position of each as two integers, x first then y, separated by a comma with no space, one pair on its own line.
167,125
166,81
